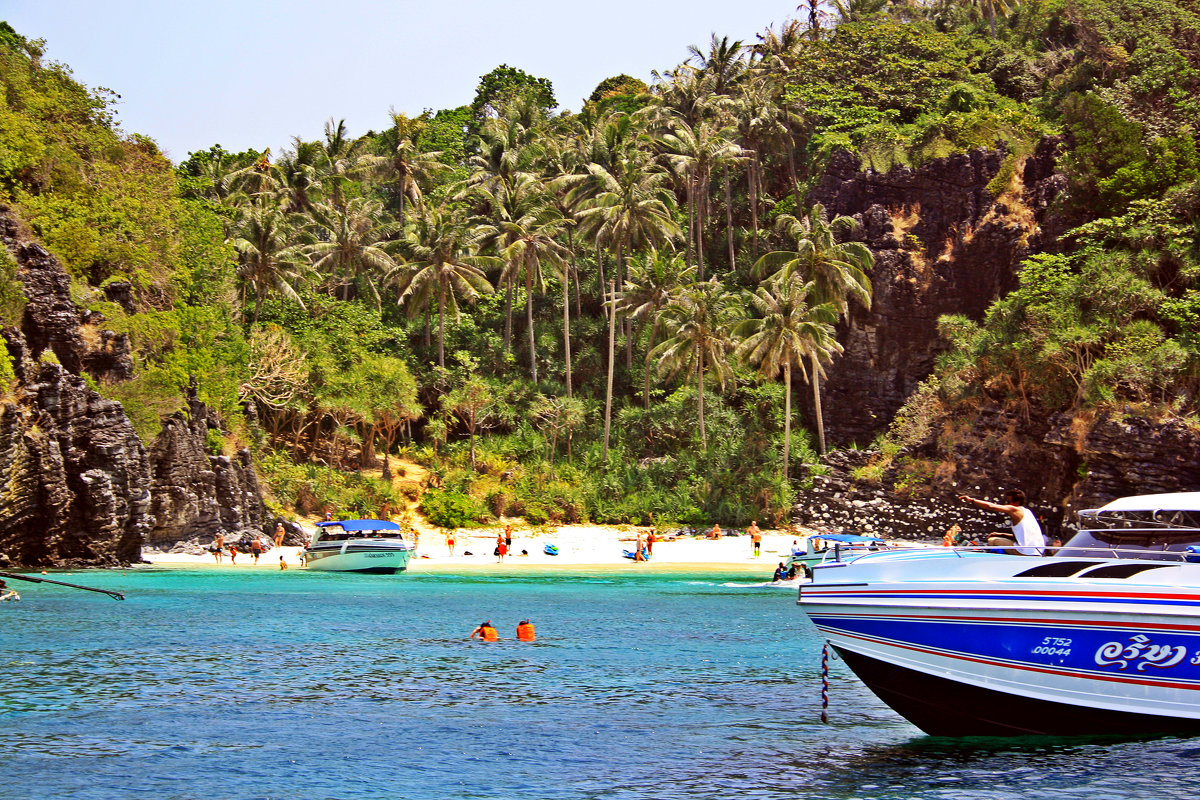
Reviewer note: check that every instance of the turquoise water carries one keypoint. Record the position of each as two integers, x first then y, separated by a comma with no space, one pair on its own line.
259,684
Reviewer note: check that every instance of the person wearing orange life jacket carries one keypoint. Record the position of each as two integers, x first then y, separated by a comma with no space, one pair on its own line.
525,631
485,632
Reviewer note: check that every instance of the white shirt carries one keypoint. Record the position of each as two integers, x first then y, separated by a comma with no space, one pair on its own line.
1029,534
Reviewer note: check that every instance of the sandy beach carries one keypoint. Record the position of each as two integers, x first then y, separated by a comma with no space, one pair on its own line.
578,546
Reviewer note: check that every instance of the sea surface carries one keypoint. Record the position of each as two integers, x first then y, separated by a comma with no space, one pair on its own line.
239,683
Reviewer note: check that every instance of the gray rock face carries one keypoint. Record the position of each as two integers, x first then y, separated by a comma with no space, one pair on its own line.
942,245
79,487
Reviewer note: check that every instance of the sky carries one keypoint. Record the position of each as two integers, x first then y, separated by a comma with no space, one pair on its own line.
254,73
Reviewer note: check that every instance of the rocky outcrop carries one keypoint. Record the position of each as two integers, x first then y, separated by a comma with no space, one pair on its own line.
79,487
194,494
943,245
1064,464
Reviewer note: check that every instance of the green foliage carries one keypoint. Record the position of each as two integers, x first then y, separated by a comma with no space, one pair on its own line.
12,294
505,84
450,509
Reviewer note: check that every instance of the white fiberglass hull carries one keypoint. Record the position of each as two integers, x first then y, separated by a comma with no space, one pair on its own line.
987,644
361,555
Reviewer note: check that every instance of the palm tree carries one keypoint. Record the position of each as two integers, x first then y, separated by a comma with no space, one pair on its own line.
837,270
355,240
444,265
405,165
533,238
300,176
699,323
654,281
269,262
722,65
788,331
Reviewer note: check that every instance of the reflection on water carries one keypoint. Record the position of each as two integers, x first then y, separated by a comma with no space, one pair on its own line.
209,684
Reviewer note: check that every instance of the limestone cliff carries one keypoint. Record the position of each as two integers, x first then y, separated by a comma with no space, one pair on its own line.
80,488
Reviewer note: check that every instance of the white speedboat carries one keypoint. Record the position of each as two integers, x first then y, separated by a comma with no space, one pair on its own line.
359,545
1102,637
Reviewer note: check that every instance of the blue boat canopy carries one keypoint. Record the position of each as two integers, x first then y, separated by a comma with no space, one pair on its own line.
361,525
849,538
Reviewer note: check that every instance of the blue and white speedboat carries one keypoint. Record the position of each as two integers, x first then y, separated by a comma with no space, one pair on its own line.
359,545
1102,637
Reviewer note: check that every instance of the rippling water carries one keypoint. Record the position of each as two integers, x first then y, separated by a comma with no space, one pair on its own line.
238,684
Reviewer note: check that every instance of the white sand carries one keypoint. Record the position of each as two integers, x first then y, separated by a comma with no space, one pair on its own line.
578,545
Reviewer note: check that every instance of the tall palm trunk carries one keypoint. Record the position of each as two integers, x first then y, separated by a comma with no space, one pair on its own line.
701,202
442,327
792,172
816,383
508,314
649,349
567,325
753,177
700,400
612,342
529,318
729,222
787,417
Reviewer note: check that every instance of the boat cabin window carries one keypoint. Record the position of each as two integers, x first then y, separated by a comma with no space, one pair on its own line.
1137,534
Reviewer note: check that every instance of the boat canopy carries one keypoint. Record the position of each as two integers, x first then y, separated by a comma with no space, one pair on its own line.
361,525
848,538
1175,501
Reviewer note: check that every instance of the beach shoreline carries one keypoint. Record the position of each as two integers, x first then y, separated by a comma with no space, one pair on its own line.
579,547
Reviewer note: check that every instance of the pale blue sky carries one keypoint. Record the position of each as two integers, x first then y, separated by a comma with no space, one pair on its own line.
255,73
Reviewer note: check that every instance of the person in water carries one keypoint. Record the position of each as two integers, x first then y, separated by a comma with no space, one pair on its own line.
282,564
485,632
1026,537
10,595
525,631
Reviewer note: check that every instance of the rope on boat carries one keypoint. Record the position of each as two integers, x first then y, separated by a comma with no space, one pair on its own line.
825,683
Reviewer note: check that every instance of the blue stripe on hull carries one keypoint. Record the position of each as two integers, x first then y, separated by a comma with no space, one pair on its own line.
1126,654
942,707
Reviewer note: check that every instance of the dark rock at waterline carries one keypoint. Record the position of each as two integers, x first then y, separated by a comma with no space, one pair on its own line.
79,487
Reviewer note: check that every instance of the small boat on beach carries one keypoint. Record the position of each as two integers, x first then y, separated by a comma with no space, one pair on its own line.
359,545
1100,637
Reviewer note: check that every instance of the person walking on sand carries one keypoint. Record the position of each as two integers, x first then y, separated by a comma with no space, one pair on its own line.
1026,537
279,534
756,538
233,554
650,539
255,549
450,541
485,632
508,535
217,546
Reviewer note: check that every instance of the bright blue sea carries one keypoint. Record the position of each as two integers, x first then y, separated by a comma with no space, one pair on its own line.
212,684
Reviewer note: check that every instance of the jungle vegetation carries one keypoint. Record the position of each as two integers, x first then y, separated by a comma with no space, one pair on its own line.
605,314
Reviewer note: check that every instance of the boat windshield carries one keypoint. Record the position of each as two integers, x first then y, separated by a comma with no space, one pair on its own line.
1155,534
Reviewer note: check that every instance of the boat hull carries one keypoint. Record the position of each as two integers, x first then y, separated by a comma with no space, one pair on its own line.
997,652
360,557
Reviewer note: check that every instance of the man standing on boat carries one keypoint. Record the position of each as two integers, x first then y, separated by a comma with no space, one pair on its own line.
1026,532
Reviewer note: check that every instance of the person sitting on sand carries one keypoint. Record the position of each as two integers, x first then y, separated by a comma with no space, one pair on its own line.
715,533
951,535
485,632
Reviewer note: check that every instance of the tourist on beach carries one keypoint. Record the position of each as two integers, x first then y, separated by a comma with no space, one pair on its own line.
1026,532
233,554
715,533
650,539
279,534
755,538
639,553
450,541
10,595
255,548
501,549
508,531
303,554
217,546
525,631
485,632
951,536
282,564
